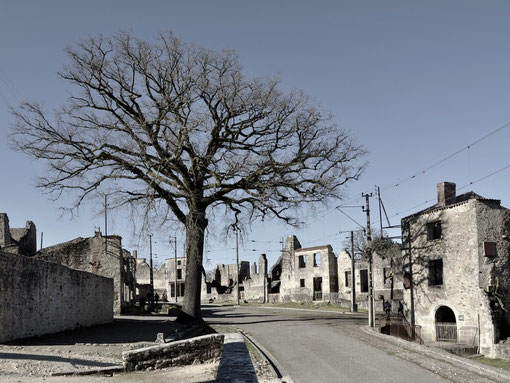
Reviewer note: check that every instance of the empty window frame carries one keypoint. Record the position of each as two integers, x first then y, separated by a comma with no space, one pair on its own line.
363,276
316,259
179,273
434,230
490,249
302,283
436,272
179,262
302,261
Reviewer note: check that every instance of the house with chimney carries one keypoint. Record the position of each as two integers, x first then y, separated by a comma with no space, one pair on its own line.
456,256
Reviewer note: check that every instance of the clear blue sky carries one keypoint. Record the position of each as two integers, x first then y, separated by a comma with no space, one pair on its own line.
414,81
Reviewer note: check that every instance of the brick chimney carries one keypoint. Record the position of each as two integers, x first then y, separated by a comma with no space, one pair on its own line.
446,193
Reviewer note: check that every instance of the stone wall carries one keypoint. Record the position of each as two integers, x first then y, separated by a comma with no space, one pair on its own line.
180,353
458,248
38,297
255,287
320,264
97,255
18,240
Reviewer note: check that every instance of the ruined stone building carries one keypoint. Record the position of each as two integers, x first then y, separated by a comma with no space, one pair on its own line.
255,286
223,284
457,258
387,274
21,241
303,274
313,275
38,297
98,255
169,279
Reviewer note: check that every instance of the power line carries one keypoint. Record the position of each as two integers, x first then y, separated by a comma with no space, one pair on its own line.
399,182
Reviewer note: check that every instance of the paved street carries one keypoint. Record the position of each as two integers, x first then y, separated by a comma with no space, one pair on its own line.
314,346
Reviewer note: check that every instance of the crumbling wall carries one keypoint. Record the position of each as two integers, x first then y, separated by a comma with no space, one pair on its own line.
26,238
5,231
17,241
255,287
97,255
38,297
320,264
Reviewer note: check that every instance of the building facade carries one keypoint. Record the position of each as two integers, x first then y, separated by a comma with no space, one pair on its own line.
457,269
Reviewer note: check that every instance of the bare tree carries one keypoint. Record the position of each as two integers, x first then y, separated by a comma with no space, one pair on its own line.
179,129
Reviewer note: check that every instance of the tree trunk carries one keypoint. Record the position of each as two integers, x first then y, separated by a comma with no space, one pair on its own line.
195,234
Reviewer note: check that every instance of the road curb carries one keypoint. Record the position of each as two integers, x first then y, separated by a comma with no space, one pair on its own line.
310,310
469,364
95,371
277,370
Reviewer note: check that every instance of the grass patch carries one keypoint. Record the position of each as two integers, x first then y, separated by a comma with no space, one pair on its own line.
304,305
223,329
499,363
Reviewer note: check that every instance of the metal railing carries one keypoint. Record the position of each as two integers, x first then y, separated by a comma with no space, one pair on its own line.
446,332
397,325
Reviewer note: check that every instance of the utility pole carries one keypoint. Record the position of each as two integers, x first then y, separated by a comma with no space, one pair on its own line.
354,306
151,292
371,301
411,274
380,211
237,261
106,225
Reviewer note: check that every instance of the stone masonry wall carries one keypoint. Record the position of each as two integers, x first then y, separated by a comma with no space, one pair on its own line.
460,291
38,297
255,287
180,353
493,225
94,256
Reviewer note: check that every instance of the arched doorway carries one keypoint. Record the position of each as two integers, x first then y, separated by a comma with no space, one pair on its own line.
446,325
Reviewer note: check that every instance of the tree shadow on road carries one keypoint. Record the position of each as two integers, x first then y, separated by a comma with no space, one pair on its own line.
53,358
121,330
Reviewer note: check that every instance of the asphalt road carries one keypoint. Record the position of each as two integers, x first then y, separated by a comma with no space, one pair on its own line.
314,346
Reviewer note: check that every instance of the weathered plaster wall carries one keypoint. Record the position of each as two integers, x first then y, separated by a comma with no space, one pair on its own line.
458,248
38,297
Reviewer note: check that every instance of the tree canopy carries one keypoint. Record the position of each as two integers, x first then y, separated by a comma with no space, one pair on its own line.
180,129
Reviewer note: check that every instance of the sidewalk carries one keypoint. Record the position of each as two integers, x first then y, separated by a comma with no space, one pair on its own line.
443,355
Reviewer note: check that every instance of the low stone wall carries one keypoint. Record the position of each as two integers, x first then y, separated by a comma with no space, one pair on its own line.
38,297
501,351
180,353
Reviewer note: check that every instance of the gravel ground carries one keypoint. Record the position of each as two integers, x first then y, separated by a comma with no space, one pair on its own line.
35,360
